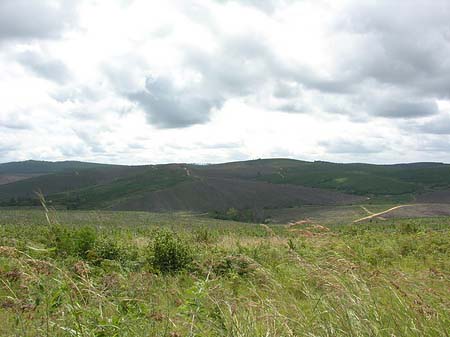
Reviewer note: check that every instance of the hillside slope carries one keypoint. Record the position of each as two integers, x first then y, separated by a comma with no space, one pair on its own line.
360,179
46,167
220,194
64,181
263,183
17,171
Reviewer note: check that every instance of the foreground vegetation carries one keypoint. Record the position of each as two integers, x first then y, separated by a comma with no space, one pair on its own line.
142,274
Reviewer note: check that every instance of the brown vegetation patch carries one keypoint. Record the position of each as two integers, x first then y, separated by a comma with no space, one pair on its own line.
302,232
40,266
81,268
318,228
300,223
13,275
8,251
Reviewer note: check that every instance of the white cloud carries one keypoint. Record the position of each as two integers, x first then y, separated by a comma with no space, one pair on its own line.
29,19
209,80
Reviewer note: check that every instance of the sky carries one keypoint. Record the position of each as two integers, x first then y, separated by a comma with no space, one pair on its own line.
207,81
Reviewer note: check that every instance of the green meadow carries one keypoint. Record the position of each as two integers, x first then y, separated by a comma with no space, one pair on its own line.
98,273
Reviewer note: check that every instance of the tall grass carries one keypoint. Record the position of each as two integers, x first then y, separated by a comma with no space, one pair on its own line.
94,274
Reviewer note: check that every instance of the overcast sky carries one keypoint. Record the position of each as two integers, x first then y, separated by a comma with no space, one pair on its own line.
149,81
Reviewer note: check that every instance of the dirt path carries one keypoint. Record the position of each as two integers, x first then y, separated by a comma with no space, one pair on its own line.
374,215
365,209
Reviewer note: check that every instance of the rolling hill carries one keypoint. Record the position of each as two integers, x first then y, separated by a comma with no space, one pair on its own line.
16,171
45,167
255,184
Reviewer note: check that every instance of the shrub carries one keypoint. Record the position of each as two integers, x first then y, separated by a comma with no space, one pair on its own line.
168,253
72,242
103,249
108,249
381,255
203,235
407,246
409,228
107,252
291,244
84,240
238,264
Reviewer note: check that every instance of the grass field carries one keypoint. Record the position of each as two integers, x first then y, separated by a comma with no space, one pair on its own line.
89,273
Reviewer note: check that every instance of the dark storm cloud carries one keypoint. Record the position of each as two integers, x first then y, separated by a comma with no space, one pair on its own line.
167,106
25,19
44,66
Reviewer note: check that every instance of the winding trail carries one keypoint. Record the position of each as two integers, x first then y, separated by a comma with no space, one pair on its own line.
374,215
364,208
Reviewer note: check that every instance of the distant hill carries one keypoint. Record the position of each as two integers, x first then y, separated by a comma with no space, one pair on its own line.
43,167
16,171
359,179
257,184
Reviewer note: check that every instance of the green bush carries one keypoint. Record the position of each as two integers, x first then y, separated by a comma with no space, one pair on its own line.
72,242
381,255
108,249
408,228
84,240
407,245
238,264
104,249
204,235
168,253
